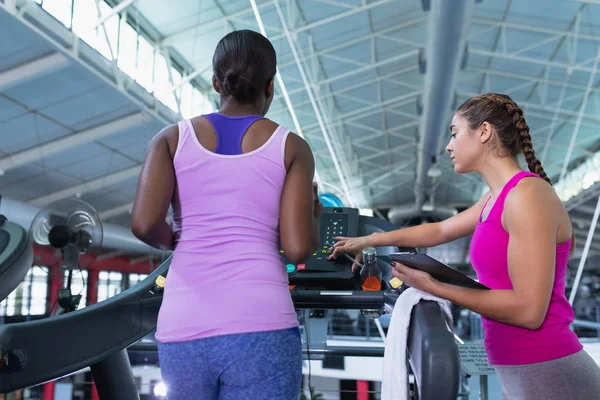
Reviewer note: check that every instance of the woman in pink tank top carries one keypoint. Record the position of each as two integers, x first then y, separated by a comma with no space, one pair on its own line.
521,244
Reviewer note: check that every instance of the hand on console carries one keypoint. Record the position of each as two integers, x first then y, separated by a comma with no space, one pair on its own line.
353,246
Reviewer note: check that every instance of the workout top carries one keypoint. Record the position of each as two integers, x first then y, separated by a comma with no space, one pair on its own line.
508,344
227,275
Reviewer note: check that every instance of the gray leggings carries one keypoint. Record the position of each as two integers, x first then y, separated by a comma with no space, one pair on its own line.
575,377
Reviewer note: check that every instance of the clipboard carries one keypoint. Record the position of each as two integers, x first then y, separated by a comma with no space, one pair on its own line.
437,269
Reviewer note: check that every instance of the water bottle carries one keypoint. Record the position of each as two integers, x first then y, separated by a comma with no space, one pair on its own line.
370,278
371,275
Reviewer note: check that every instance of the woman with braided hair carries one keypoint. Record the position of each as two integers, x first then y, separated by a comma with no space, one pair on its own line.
521,244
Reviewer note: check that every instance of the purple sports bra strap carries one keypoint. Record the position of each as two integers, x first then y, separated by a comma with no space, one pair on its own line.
230,131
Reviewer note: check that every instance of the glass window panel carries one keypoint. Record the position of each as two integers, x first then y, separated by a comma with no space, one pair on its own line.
127,49
85,16
107,42
145,64
187,106
59,9
109,284
134,279
162,83
30,297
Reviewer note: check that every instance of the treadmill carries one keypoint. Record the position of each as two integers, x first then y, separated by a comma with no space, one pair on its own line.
98,336
16,256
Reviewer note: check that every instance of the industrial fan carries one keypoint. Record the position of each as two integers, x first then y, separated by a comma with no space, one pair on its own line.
331,196
73,227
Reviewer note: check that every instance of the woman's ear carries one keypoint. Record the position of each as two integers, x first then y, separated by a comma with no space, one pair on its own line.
270,88
216,85
485,132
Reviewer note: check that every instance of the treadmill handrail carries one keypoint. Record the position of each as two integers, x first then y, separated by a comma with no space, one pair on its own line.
57,346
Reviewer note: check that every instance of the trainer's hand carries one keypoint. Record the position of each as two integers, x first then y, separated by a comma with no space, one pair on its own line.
414,278
352,246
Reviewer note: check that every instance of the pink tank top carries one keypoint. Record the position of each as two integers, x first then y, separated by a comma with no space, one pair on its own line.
508,344
227,275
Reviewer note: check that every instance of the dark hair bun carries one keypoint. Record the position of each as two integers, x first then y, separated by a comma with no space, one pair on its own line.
238,85
244,63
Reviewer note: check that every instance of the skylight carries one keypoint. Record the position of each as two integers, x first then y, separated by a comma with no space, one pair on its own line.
136,56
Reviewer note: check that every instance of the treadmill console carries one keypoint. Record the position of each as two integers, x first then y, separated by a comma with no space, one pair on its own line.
318,272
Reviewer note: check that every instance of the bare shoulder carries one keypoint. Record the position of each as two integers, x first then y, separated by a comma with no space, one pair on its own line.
533,199
532,191
297,142
296,147
168,136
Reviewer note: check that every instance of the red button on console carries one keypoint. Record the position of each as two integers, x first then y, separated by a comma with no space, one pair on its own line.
301,267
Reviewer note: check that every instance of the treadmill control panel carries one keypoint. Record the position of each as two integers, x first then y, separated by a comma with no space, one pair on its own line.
332,226
318,270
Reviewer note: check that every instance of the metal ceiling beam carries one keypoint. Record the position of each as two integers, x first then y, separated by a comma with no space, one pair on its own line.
32,69
89,186
67,43
581,112
586,250
526,78
328,105
585,209
324,123
487,22
367,68
333,18
114,11
184,33
380,153
527,59
76,139
381,132
361,84
394,131
448,26
336,3
116,211
541,107
370,110
361,38
280,81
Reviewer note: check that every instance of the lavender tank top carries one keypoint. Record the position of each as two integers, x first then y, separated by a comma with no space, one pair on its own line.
227,275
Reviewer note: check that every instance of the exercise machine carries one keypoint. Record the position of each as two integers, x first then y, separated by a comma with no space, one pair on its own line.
98,336
16,256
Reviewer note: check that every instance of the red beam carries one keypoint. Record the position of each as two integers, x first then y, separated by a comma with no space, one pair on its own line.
49,256
362,390
49,390
92,286
94,392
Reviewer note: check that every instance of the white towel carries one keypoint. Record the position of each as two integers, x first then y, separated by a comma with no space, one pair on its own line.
394,385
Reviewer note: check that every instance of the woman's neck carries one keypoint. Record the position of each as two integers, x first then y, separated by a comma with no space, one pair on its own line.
229,106
498,171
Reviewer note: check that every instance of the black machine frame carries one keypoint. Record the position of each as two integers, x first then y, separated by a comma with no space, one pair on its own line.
98,336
